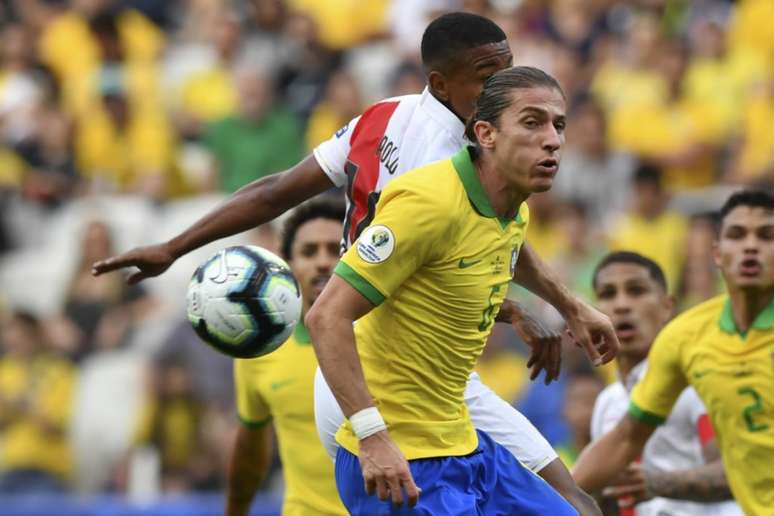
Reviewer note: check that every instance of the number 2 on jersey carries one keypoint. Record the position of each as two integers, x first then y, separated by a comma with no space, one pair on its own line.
750,410
488,318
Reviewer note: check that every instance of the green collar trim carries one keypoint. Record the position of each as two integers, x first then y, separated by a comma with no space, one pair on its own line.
301,334
764,320
463,164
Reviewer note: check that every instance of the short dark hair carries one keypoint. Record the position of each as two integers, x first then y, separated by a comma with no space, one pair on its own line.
496,96
754,198
450,35
647,173
320,208
654,270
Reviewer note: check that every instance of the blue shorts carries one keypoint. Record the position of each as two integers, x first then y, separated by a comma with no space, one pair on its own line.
489,481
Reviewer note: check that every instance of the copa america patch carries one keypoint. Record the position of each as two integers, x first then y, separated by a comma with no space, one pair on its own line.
376,244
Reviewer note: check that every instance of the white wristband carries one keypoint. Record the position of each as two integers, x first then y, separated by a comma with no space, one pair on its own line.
367,422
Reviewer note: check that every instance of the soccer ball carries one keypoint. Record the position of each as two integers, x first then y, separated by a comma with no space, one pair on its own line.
244,301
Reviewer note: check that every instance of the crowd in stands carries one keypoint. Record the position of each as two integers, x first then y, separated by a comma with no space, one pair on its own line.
123,121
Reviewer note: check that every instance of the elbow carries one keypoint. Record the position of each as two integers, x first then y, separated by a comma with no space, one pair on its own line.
315,321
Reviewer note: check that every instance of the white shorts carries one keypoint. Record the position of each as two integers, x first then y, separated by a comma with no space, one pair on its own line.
506,425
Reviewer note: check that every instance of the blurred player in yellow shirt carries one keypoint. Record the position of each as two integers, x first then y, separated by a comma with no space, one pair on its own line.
278,388
724,348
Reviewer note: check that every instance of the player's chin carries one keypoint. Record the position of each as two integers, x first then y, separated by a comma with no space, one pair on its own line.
541,184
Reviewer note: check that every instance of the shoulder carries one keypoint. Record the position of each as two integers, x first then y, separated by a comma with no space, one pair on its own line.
434,185
695,320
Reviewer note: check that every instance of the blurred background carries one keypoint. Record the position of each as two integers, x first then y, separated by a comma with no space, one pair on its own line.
122,122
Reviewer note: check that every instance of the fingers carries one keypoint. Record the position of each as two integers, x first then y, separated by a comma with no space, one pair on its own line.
112,264
584,340
412,491
370,483
610,342
136,278
394,486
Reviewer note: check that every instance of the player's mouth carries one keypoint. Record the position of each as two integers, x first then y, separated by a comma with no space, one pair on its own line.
548,166
319,282
625,331
750,267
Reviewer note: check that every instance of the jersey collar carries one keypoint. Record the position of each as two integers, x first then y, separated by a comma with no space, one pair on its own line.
764,320
463,163
443,115
301,334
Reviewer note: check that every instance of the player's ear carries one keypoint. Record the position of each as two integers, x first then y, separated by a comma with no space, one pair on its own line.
439,85
716,252
485,133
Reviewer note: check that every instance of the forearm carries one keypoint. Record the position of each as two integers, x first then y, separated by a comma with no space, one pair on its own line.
536,276
250,462
334,343
254,204
604,459
706,483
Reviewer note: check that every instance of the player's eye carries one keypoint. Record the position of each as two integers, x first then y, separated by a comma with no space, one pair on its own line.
531,123
560,126
308,251
333,249
636,290
608,293
766,233
735,233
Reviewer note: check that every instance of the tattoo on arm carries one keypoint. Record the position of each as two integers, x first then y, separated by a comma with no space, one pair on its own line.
705,483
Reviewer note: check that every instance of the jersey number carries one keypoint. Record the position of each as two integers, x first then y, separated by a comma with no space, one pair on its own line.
488,316
751,409
362,202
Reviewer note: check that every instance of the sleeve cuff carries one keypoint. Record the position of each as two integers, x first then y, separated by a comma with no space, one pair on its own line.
254,425
644,416
338,179
359,283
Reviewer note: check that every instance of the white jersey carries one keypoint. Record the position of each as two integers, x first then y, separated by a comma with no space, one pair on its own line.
674,446
390,138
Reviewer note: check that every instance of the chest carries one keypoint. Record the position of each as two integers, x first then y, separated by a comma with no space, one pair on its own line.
286,382
735,379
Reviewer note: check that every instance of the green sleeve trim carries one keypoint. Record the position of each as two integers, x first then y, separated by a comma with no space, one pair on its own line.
644,416
359,283
254,425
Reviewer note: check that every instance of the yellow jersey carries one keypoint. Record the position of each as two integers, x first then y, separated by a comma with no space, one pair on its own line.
733,373
44,385
436,261
279,387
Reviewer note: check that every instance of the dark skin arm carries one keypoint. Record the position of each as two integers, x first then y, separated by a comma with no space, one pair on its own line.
252,205
250,462
600,462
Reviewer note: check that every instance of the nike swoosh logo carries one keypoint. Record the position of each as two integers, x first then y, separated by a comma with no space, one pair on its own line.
700,374
464,265
278,385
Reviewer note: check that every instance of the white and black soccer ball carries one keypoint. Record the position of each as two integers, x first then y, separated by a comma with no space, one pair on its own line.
244,301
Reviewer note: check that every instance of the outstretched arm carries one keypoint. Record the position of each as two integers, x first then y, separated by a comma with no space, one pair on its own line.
252,205
590,329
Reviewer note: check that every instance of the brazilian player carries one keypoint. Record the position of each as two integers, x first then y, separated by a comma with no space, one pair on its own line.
276,389
459,52
425,282
724,348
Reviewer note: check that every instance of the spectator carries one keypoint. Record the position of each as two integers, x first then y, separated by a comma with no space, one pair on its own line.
35,403
90,298
649,227
261,139
341,103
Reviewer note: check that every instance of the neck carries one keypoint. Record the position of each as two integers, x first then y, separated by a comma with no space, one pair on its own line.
505,199
626,363
446,104
747,304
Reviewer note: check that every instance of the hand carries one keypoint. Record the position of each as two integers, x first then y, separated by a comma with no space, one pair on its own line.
545,344
592,331
385,470
151,260
630,487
